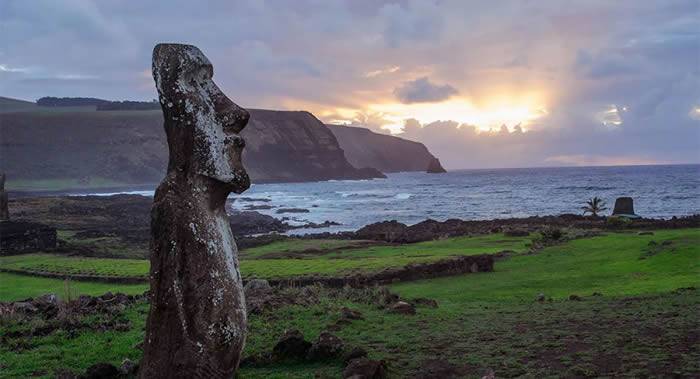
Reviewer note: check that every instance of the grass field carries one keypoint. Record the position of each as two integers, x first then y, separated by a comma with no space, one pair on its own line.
641,325
60,184
336,262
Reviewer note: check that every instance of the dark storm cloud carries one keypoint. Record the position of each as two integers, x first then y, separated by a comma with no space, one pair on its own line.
422,90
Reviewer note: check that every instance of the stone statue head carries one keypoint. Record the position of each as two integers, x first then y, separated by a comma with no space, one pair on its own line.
202,124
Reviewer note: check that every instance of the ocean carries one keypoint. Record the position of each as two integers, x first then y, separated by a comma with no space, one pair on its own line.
411,197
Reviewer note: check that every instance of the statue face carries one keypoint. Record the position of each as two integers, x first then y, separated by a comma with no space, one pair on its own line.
202,124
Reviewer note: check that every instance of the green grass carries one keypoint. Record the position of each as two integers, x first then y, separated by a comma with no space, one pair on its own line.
608,264
336,262
640,327
17,287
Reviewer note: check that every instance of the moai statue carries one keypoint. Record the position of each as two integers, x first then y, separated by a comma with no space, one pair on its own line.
4,211
197,322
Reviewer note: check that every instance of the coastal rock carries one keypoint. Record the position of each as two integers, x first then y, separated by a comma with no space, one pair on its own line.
327,346
292,345
624,206
434,167
4,211
197,316
388,231
251,222
386,153
364,368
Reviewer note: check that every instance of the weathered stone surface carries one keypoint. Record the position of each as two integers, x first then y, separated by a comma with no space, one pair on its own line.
101,371
25,237
624,206
434,167
4,212
197,320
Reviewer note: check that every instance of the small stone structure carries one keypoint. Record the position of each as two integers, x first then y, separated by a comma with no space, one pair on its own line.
624,206
4,212
197,321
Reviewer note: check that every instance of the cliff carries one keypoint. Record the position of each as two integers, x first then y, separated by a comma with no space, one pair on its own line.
365,148
85,146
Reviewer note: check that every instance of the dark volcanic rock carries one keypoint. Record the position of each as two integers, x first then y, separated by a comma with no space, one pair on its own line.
197,319
354,353
363,368
388,231
250,222
25,237
438,368
4,211
434,167
402,307
292,345
327,346
292,210
101,371
623,206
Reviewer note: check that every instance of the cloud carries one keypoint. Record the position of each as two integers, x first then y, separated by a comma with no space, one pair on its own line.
339,59
422,90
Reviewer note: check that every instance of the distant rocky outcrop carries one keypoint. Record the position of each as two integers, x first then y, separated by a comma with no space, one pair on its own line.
434,167
129,147
365,148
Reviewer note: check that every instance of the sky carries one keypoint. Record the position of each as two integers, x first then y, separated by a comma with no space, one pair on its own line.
481,83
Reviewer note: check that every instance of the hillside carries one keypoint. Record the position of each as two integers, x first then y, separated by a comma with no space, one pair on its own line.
365,148
80,147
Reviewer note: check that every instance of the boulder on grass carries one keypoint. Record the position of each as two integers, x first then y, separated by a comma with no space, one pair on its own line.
292,345
327,346
402,307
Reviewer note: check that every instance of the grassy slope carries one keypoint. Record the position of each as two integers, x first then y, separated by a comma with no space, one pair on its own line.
484,320
336,262
17,287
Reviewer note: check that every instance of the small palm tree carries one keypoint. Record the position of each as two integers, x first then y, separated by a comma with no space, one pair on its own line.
594,206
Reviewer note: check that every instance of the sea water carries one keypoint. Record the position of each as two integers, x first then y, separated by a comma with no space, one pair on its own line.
411,197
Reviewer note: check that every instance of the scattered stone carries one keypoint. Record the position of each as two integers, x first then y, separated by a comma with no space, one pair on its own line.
350,314
541,297
4,211
575,298
292,345
402,307
327,346
666,243
101,371
597,294
364,368
489,374
645,233
430,303
354,353
24,307
128,367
